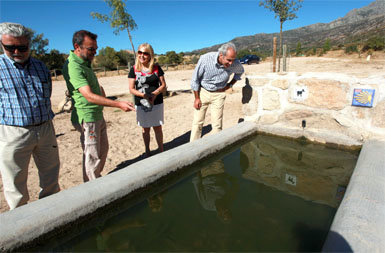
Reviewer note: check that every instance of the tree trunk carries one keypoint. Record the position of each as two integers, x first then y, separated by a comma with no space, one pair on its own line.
274,53
280,48
133,48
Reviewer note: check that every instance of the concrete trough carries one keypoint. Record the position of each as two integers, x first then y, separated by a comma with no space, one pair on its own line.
34,220
359,224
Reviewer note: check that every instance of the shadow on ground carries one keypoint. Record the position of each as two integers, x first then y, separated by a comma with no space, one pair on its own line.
178,141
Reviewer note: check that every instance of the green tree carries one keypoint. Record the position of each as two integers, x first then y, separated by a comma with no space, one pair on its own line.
54,59
173,58
298,50
125,58
118,18
181,57
107,58
376,43
326,46
243,52
162,60
284,10
351,48
194,59
38,43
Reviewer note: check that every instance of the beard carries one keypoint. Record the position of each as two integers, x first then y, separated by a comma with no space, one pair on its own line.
86,58
21,58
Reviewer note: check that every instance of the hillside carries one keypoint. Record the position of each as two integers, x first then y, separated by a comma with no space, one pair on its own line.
356,25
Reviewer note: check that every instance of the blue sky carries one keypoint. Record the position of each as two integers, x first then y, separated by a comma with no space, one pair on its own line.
178,25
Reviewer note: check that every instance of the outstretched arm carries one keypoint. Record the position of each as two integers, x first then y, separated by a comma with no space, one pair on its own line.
100,100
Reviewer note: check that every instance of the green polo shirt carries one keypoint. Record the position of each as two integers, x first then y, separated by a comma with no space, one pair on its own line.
78,73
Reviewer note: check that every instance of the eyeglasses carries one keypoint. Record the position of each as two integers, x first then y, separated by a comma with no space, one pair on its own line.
12,48
144,53
91,49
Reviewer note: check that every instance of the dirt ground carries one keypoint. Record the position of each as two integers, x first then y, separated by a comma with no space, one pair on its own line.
125,140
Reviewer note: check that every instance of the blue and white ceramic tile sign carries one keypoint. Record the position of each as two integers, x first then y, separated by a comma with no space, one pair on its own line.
363,97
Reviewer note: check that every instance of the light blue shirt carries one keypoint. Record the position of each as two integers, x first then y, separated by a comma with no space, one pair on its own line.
213,76
24,92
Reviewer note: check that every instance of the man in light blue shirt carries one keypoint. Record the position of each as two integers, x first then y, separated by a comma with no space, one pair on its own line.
26,127
209,83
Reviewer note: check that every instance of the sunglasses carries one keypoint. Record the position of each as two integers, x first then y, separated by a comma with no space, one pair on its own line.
144,53
12,48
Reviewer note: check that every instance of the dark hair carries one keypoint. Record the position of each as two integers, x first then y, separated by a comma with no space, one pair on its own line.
78,37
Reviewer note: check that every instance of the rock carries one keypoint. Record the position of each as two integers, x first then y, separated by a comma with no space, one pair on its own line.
282,84
327,94
268,119
270,100
378,115
254,81
297,114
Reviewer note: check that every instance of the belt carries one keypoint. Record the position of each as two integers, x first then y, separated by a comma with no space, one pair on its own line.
213,91
38,124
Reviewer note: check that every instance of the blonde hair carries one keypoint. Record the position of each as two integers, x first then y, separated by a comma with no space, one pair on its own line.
147,48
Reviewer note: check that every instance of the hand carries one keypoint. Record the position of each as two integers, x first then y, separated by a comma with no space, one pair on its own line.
197,103
152,97
149,97
126,106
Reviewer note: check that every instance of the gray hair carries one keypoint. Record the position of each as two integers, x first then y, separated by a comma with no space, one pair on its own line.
15,30
223,49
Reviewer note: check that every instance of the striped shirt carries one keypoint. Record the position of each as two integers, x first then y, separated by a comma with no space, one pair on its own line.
24,92
211,75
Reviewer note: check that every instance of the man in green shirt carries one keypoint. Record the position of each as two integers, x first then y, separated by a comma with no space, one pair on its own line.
89,98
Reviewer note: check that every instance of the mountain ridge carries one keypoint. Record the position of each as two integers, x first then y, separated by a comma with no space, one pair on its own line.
357,24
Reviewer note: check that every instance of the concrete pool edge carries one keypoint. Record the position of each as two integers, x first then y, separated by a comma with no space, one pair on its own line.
29,222
359,223
26,223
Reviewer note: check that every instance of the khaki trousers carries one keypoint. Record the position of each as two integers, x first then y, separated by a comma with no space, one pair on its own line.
216,100
17,144
94,141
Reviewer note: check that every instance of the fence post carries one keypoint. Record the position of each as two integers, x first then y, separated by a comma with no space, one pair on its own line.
274,52
284,58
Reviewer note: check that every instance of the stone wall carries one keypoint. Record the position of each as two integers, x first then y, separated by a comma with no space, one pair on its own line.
323,100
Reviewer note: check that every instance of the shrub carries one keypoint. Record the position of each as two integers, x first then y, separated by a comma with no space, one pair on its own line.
351,48
375,43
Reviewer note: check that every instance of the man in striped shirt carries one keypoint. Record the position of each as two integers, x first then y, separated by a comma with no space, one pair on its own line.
209,83
25,118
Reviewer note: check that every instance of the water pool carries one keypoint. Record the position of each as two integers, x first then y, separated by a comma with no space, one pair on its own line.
269,194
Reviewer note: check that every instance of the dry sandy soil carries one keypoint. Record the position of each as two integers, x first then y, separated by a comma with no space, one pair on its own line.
126,145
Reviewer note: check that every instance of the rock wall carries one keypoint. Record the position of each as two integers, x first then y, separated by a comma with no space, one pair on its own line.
323,100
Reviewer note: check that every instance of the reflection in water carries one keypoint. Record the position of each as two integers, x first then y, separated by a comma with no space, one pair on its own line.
155,203
270,194
216,189
310,171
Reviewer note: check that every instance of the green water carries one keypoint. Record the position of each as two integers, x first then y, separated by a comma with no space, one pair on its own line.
267,195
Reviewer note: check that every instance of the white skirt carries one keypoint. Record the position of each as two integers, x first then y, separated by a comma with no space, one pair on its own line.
150,119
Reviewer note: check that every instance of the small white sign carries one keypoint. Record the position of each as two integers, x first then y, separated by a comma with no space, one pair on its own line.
300,93
291,180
